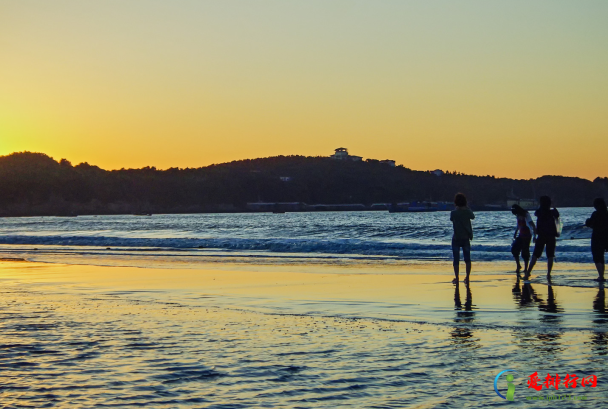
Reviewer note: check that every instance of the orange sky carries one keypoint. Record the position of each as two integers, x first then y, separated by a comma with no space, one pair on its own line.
511,88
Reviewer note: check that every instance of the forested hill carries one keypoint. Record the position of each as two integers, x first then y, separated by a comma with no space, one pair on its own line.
35,184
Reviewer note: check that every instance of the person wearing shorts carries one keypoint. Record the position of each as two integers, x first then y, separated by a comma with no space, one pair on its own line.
545,242
463,234
547,234
599,238
465,245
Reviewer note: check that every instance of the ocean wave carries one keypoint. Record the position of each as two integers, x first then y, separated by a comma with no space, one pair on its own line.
568,250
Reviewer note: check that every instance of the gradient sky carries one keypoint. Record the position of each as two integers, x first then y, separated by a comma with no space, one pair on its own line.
506,88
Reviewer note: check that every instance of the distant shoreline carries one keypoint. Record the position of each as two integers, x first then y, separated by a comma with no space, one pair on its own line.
335,208
34,184
235,212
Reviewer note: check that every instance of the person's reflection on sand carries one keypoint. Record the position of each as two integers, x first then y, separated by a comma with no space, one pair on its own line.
550,306
457,303
544,338
517,290
465,315
524,296
599,336
599,305
551,319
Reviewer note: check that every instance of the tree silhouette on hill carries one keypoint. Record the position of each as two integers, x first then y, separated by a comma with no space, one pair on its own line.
36,184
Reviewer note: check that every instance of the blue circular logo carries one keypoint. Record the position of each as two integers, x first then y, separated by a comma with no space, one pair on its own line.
496,382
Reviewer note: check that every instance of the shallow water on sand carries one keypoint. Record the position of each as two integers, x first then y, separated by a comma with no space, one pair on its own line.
68,342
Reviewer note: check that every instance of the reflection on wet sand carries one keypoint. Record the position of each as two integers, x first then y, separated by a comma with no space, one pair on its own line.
599,306
547,336
140,338
552,319
462,334
599,336
551,308
524,296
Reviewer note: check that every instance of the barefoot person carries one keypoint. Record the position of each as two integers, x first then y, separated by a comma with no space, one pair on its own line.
599,238
521,243
463,234
547,234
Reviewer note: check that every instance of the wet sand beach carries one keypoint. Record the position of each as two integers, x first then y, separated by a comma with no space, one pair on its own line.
242,336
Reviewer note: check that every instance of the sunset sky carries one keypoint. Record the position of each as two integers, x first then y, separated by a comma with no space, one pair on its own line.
506,88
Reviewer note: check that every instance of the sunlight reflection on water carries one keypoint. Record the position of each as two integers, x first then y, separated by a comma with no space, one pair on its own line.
76,348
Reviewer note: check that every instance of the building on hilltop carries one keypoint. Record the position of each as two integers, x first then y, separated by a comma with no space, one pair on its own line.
342,154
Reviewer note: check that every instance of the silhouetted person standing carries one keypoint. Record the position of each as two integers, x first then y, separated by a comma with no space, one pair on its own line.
521,243
463,234
547,234
599,238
